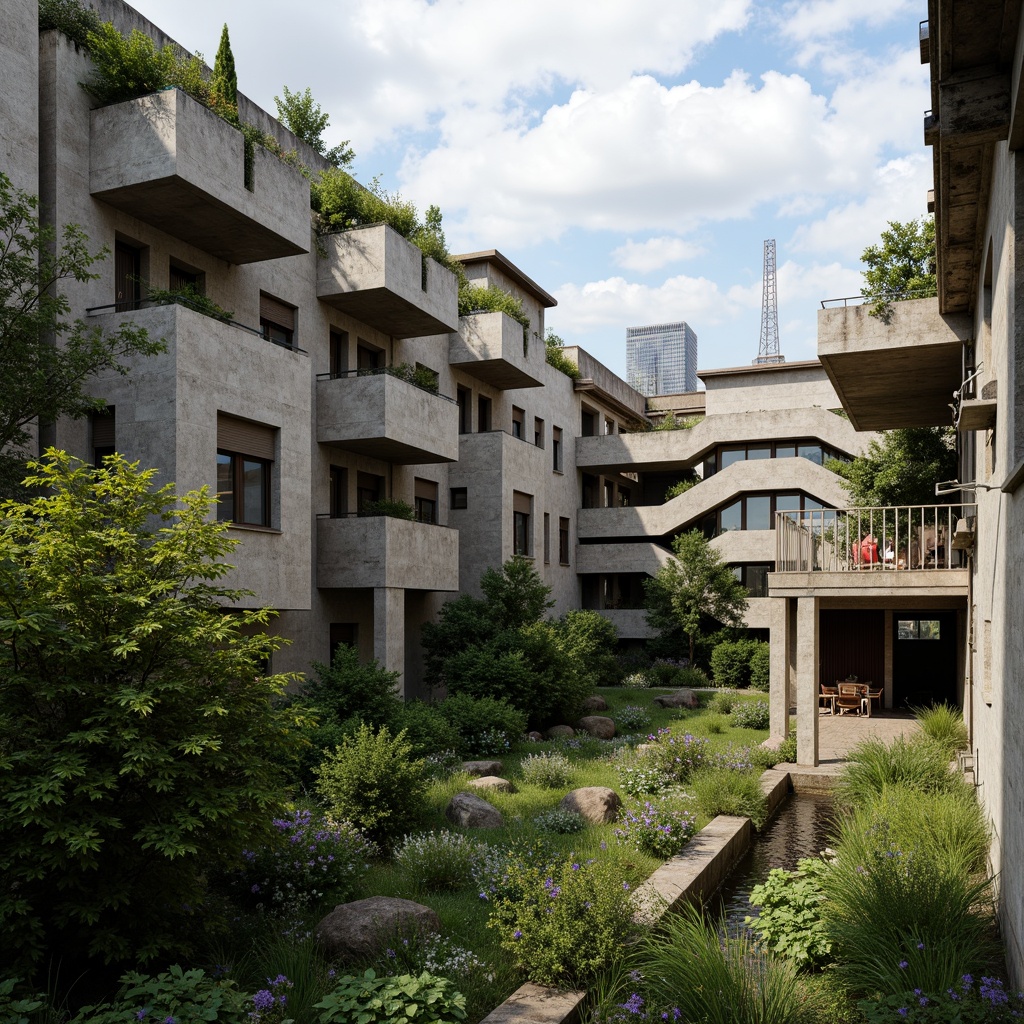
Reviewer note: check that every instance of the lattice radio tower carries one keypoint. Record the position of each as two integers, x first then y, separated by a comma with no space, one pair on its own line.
768,351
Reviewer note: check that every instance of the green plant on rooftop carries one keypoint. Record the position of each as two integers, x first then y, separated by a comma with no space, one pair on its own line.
224,80
307,120
682,486
71,17
901,267
394,508
189,295
474,298
557,358
672,422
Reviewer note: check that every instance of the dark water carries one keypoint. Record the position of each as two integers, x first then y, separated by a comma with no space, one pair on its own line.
800,828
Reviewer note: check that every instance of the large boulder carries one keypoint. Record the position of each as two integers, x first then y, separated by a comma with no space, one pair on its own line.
560,732
366,927
480,768
493,782
595,703
680,699
535,737
598,726
470,811
597,804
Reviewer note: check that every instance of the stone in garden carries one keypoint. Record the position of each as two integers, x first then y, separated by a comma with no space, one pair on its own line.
561,732
479,768
535,737
364,928
679,699
471,811
598,726
595,703
597,804
495,783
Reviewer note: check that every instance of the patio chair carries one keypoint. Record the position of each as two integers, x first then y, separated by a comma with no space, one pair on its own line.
874,693
851,698
827,695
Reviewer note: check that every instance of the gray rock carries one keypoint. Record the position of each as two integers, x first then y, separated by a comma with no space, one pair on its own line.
471,811
534,736
493,782
560,732
595,703
597,804
680,699
479,768
367,927
598,726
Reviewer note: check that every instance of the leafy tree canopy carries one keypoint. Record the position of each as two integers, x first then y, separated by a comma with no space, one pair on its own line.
141,744
693,587
901,468
305,118
46,357
901,267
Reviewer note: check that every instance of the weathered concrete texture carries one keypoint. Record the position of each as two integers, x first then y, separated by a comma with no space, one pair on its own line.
19,100
491,347
537,1004
775,785
387,418
171,162
629,623
699,870
374,274
807,668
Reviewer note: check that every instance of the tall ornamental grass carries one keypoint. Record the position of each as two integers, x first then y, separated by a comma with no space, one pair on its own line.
944,725
918,763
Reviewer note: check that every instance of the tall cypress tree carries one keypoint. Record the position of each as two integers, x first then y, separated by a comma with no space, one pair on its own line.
224,82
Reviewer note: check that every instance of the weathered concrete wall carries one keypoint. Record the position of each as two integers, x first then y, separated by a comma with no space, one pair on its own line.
19,98
787,386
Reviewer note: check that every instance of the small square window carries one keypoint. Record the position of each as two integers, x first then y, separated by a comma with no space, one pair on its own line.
459,498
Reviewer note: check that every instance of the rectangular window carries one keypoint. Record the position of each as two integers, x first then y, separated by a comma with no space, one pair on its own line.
756,580
609,494
759,512
245,455
538,432
339,353
127,276
556,449
785,451
180,279
458,498
103,424
522,508
588,423
425,498
547,538
518,422
277,321
731,455
812,452
463,398
624,497
483,414
918,629
368,357
369,488
731,517
563,540
339,491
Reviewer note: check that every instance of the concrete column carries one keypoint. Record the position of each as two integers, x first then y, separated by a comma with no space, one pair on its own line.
779,692
807,680
389,630
887,682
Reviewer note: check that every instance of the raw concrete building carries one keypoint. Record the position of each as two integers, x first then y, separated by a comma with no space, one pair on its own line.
661,359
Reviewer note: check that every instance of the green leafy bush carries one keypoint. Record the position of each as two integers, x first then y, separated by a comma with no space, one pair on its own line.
438,861
981,1001
426,728
373,781
395,508
680,487
21,1008
714,725
550,770
71,17
141,746
402,999
787,750
944,725
730,663
189,295
474,298
726,791
721,703
752,714
477,717
694,678
638,681
174,995
559,822
562,924
126,67
343,203
419,376
790,922
760,667
631,717
655,829
557,358
589,639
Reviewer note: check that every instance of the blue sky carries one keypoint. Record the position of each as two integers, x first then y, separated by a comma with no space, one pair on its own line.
629,157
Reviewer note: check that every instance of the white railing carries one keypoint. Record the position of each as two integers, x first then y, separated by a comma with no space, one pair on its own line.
887,538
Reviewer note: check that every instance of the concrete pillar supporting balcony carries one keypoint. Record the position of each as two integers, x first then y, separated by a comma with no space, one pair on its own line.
389,630
807,681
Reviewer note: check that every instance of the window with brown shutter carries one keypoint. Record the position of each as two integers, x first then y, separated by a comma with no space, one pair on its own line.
103,424
277,321
245,456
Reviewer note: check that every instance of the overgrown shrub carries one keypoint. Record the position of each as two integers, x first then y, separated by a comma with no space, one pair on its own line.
589,639
557,358
760,667
475,298
351,688
714,725
189,295
631,717
694,678
309,858
373,781
681,487
726,791
478,720
549,770
402,999
665,671
639,681
678,757
789,921
916,763
655,829
71,17
438,861
721,703
342,202
752,714
426,728
559,822
730,663
563,924
944,725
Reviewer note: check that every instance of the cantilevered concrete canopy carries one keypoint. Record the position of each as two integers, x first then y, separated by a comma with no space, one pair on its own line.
900,374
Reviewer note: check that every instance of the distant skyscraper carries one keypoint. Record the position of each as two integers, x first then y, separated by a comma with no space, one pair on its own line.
661,359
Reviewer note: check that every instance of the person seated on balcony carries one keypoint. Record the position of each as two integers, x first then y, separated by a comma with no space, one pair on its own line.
868,551
890,556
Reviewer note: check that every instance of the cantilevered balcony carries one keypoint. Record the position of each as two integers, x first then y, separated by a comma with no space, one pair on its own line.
897,374
375,275
380,551
385,417
174,164
492,348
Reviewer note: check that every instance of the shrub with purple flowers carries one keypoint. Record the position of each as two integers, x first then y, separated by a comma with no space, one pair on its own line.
751,714
664,761
270,1004
631,718
656,829
563,924
311,857
984,1001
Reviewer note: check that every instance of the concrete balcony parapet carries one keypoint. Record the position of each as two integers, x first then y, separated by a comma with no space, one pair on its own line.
174,164
380,551
375,275
646,557
386,418
492,348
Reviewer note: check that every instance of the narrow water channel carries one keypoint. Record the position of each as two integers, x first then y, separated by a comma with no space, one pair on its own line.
800,828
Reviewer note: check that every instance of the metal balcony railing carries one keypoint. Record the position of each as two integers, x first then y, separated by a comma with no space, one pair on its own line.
888,538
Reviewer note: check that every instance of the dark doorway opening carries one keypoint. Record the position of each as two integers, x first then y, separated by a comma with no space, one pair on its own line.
852,643
924,658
